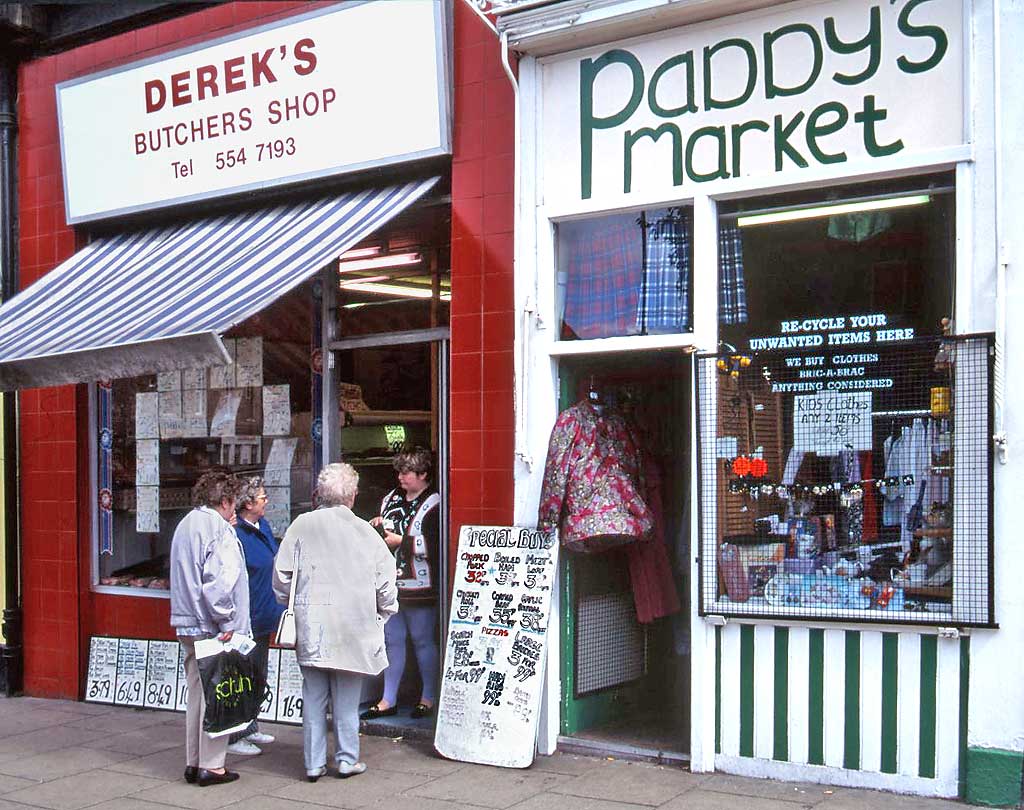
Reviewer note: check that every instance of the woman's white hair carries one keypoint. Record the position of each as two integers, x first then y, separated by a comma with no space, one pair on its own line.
336,484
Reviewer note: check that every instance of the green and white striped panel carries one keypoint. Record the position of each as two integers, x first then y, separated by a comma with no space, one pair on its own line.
858,701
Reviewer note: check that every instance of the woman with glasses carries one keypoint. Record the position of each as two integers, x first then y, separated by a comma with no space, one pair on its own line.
259,546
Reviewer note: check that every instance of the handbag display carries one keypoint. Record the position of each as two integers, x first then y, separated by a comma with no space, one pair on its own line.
285,636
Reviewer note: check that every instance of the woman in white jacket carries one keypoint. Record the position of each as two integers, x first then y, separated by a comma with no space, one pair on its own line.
344,593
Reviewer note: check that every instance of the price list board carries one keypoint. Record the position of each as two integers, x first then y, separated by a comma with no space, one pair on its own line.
132,654
102,673
181,701
161,675
289,689
151,674
497,645
268,709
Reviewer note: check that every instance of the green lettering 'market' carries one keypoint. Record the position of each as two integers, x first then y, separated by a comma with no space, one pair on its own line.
720,173
654,135
869,116
816,129
737,135
589,69
782,145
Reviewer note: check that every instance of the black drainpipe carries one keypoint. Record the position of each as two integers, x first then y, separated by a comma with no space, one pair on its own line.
12,651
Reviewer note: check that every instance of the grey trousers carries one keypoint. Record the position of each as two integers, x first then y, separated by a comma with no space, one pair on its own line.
344,690
201,750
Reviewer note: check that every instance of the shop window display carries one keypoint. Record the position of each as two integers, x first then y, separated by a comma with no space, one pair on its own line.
844,455
631,274
158,433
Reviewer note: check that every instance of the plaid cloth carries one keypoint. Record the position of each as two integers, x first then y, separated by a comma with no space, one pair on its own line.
665,296
603,277
732,291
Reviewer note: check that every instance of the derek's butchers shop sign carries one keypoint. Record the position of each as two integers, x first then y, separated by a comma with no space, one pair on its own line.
340,89
807,86
497,644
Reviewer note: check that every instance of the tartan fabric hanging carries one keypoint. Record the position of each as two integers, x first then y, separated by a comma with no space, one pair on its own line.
732,290
631,276
665,297
603,278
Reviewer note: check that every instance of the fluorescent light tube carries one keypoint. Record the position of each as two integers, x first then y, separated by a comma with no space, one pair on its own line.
378,262
393,289
814,212
363,280
361,253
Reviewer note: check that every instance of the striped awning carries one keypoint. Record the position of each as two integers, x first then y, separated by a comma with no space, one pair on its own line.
158,300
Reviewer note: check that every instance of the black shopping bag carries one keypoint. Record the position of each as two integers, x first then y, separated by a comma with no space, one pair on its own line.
233,686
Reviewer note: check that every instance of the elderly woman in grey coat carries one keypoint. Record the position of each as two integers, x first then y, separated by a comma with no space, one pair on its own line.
344,593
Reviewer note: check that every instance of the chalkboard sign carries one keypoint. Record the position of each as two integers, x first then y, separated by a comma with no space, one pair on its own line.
161,675
102,673
497,643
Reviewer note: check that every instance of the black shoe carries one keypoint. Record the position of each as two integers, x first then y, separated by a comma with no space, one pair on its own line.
191,774
374,712
421,710
205,777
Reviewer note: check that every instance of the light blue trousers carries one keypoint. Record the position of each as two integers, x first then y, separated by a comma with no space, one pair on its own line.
419,622
344,689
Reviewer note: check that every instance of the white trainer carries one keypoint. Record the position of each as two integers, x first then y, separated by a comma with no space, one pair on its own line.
259,738
244,748
345,770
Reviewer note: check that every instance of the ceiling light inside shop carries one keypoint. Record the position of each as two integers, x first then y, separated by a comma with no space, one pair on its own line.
394,289
361,253
363,280
379,262
814,212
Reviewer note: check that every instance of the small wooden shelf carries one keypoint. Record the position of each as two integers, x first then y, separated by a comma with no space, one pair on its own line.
385,417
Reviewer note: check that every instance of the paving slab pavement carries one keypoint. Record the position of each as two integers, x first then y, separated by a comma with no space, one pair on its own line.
64,755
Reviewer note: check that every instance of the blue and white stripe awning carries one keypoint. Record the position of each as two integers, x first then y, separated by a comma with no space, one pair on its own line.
157,300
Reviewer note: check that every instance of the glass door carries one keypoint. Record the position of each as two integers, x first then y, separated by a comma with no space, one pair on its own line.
384,331
392,398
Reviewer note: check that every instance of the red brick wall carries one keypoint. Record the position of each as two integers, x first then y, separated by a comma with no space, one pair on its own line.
61,611
482,405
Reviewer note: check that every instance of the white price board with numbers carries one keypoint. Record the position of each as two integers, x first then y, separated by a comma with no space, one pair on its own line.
497,645
181,701
131,671
102,673
161,675
289,689
151,674
268,709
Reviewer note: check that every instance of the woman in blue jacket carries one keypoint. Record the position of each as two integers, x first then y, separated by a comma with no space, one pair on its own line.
260,547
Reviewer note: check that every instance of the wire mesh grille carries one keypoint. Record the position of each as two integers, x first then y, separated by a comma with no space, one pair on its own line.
849,484
611,647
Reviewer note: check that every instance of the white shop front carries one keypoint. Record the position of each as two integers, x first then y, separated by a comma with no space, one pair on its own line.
759,240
